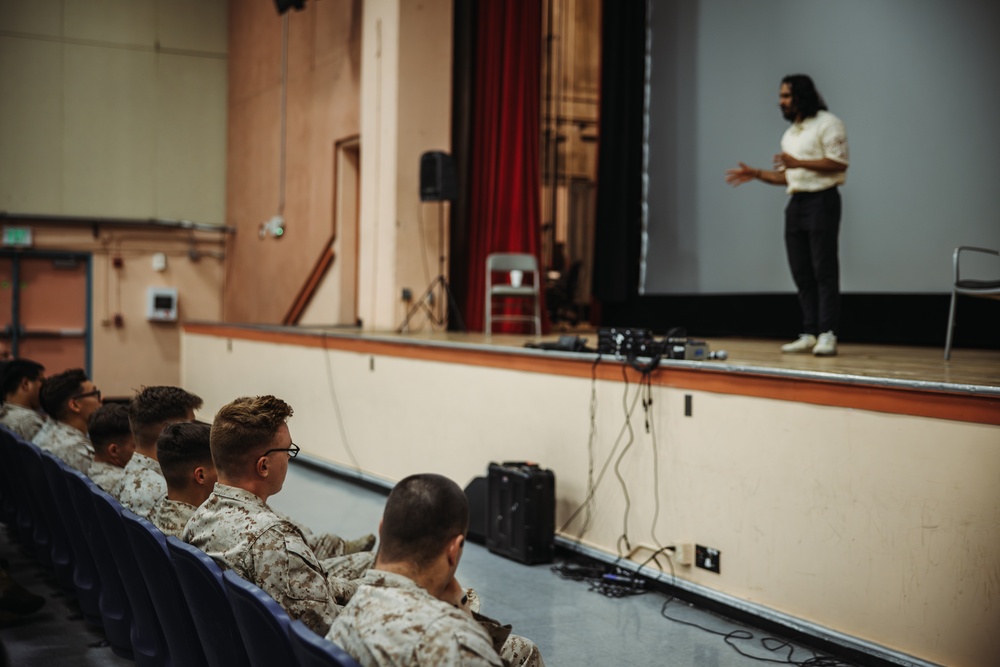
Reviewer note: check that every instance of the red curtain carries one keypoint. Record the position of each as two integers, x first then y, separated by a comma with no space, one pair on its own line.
504,208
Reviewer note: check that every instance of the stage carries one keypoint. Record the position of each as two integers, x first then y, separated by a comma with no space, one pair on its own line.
885,378
854,495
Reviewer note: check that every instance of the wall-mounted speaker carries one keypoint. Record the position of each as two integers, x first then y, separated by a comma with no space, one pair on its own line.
284,5
437,177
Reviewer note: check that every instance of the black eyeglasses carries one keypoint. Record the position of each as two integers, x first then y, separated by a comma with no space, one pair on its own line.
95,392
293,451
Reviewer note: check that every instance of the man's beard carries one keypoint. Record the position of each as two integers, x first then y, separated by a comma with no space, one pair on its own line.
790,114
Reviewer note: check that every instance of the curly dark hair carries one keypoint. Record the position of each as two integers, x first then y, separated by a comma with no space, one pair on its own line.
152,408
15,370
808,102
58,389
244,429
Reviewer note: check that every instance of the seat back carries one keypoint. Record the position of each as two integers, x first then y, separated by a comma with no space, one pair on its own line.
116,612
148,643
529,288
262,621
60,550
150,547
9,490
32,522
315,651
84,577
987,286
201,581
511,261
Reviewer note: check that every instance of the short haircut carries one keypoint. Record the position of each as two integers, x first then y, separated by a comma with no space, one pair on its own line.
181,447
57,390
808,102
244,429
421,514
154,407
109,424
14,371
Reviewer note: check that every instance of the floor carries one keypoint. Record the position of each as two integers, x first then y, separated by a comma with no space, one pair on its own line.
570,623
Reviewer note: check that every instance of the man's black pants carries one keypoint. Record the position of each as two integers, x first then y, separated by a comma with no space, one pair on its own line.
812,225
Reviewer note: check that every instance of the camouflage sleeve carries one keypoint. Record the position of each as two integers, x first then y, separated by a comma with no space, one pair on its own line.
79,458
286,568
446,644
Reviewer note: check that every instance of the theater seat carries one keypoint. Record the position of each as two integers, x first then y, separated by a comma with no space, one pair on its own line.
116,612
84,578
150,548
263,622
315,651
148,644
200,579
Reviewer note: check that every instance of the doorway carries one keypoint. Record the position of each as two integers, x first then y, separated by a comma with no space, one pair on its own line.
45,308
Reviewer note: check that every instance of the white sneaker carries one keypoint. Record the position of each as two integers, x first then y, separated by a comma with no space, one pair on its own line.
826,346
805,343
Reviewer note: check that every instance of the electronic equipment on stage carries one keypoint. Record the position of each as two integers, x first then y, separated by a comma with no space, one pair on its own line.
631,343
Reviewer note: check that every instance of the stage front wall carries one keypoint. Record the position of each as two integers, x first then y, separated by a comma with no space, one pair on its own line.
882,527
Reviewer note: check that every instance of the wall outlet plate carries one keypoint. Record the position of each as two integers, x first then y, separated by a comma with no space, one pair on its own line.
707,558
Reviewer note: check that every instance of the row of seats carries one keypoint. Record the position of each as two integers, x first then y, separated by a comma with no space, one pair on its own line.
160,602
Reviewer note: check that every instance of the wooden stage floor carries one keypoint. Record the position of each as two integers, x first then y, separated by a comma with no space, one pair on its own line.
968,370
887,378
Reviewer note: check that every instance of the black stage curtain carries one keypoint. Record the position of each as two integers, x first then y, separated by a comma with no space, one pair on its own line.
619,170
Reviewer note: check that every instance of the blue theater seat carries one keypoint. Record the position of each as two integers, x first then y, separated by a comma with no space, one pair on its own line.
116,612
150,547
315,651
148,644
84,578
9,491
262,622
32,525
200,579
61,552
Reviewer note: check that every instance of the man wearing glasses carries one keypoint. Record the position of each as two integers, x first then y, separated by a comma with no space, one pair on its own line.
69,399
251,447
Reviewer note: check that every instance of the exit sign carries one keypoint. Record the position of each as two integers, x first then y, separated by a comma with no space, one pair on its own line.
17,237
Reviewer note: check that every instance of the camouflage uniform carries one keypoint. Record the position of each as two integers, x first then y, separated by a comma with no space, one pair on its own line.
326,545
105,475
170,516
141,486
240,531
23,421
67,443
393,621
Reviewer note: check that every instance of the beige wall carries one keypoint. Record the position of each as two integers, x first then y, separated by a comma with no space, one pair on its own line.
321,89
880,526
406,111
141,352
117,109
113,108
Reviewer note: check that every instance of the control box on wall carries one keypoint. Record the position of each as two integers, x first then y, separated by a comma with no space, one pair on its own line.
161,304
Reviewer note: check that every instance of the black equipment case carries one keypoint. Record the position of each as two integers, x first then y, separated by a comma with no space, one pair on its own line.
521,512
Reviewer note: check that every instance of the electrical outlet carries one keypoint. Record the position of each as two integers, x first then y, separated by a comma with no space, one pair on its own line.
688,405
707,558
683,553
407,294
